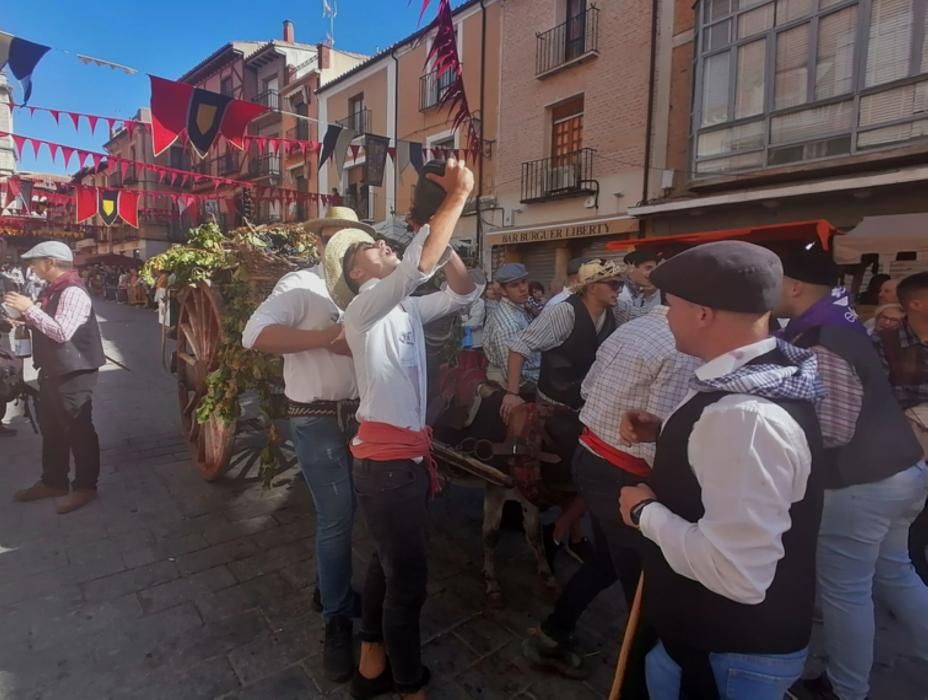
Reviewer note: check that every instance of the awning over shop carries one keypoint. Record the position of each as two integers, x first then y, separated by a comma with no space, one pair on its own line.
819,230
566,231
885,236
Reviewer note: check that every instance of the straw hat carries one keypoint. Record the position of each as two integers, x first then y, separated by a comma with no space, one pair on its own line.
338,216
332,266
597,270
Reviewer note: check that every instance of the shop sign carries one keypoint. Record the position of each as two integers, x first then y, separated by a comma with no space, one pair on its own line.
563,232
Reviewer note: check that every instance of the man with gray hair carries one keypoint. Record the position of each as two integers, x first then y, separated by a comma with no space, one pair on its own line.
68,352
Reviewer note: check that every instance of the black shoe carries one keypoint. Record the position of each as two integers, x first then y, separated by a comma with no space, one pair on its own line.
581,550
338,656
363,688
423,682
355,605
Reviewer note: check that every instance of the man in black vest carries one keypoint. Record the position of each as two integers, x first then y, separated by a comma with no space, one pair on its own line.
735,497
567,335
68,353
876,481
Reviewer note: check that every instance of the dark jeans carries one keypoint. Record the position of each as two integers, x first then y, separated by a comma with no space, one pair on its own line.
65,410
616,549
393,497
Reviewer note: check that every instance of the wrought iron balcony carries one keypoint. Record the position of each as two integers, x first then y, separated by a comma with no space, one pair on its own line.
359,121
431,88
568,43
268,98
264,165
564,175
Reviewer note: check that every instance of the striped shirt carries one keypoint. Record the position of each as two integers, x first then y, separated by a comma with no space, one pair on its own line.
506,322
73,310
637,368
633,303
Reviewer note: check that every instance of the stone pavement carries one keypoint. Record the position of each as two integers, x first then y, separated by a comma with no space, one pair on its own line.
168,587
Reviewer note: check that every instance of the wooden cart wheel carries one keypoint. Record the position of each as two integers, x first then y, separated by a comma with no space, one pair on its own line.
199,334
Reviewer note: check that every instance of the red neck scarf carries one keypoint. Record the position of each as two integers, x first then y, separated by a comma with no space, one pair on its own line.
66,279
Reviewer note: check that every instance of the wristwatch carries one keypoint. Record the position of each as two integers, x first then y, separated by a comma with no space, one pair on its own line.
635,513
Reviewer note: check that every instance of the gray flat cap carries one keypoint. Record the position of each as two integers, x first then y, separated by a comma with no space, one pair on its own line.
510,272
728,275
49,249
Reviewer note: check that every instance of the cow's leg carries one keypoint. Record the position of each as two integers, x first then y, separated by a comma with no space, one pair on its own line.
531,521
494,498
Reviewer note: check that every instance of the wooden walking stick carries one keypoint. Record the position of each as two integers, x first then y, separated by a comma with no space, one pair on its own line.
631,627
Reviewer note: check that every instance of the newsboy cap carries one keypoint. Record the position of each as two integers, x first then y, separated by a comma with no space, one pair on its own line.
49,249
810,264
727,275
510,272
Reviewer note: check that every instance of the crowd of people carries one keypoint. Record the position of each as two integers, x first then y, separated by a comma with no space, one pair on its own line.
123,285
741,448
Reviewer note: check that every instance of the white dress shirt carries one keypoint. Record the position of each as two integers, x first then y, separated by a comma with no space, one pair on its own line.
300,300
383,326
637,368
752,461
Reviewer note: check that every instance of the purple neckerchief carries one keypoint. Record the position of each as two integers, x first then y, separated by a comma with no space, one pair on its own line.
833,310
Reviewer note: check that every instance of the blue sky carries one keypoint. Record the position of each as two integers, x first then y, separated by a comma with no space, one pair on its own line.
164,38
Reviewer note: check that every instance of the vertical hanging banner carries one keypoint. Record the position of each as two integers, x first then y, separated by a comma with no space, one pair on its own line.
179,109
85,203
128,207
375,161
19,191
22,56
109,206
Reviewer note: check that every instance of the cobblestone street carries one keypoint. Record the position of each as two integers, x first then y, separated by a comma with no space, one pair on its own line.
169,587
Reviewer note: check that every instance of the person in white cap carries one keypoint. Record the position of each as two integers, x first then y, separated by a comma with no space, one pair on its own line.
393,468
300,321
68,352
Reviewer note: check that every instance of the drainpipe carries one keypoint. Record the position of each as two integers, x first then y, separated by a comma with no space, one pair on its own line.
396,124
652,70
483,124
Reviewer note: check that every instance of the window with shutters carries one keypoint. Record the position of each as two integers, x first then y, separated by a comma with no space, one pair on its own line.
787,81
567,127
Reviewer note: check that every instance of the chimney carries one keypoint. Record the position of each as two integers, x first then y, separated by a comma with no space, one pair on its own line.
324,52
288,31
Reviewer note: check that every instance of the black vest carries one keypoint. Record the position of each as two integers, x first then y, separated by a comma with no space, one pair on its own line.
884,443
84,352
563,368
687,614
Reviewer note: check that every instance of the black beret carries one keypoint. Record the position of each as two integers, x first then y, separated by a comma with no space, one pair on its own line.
728,275
811,264
639,257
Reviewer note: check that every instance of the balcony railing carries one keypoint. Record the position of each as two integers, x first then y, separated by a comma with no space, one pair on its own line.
268,98
567,42
559,176
264,165
299,132
359,121
431,88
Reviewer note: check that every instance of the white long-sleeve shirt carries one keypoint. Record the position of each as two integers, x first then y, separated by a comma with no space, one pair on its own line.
300,300
383,326
752,461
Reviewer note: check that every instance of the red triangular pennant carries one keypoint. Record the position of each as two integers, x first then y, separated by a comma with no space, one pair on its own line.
96,157
19,142
110,124
273,145
238,114
67,151
130,127
355,149
85,200
75,118
123,167
92,120
36,144
262,145
391,151
170,102
53,151
55,114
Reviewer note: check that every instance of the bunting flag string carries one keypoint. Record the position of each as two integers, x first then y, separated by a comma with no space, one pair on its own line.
91,119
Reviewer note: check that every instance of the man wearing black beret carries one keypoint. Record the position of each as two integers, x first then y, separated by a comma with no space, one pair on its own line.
875,479
732,509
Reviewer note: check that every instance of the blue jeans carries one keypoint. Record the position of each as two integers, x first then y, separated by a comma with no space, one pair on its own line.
738,676
863,551
323,455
